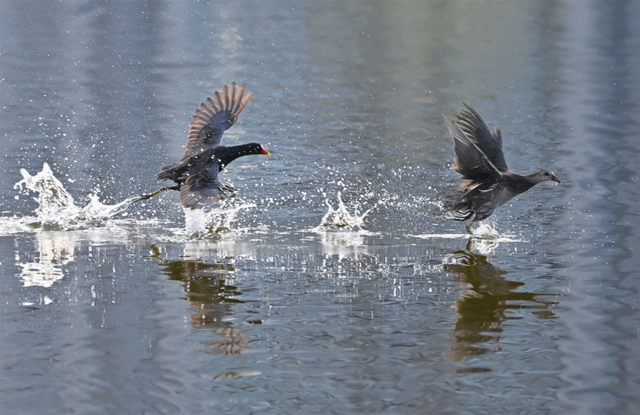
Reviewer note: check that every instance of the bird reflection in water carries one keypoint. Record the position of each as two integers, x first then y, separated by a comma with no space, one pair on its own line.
481,310
211,298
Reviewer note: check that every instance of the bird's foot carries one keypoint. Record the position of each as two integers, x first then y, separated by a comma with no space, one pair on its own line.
230,189
468,228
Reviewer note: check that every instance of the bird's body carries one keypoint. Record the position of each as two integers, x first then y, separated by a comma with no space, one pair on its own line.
489,183
196,175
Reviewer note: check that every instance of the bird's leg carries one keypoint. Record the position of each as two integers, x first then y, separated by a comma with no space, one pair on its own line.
154,194
468,228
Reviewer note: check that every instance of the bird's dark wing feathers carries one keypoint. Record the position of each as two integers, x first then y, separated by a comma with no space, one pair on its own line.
476,129
214,117
202,189
470,160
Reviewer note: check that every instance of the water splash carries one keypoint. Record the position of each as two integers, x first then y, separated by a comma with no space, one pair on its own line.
200,222
341,218
342,232
486,230
485,237
480,231
50,190
57,208
195,221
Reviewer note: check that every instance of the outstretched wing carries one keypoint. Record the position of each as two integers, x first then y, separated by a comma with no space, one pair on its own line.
202,189
470,161
475,128
214,117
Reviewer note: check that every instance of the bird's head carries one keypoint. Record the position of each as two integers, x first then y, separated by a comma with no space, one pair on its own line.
545,175
255,148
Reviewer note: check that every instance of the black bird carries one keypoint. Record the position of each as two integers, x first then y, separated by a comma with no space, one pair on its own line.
479,160
196,175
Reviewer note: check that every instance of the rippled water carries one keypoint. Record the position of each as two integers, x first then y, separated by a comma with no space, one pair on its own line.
332,283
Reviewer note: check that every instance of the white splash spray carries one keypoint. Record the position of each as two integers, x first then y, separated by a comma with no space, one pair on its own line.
200,222
341,219
56,207
341,232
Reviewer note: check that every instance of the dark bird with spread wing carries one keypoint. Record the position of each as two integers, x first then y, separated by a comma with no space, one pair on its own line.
196,175
488,183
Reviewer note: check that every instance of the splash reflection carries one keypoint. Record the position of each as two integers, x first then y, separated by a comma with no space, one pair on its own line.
481,310
54,251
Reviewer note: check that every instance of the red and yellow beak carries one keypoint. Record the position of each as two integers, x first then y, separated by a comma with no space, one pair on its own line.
265,152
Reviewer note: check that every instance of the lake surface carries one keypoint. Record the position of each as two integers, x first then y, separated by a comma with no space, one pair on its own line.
282,311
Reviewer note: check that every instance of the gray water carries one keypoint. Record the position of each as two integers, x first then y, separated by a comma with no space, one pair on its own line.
280,312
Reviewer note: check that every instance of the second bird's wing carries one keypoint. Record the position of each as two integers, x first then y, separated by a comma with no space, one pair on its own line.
470,161
476,129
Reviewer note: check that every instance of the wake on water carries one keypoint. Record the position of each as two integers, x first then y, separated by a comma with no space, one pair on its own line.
57,209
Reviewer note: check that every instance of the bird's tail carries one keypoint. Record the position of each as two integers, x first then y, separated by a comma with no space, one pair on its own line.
168,172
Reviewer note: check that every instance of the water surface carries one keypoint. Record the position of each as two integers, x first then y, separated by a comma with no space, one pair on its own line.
284,311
